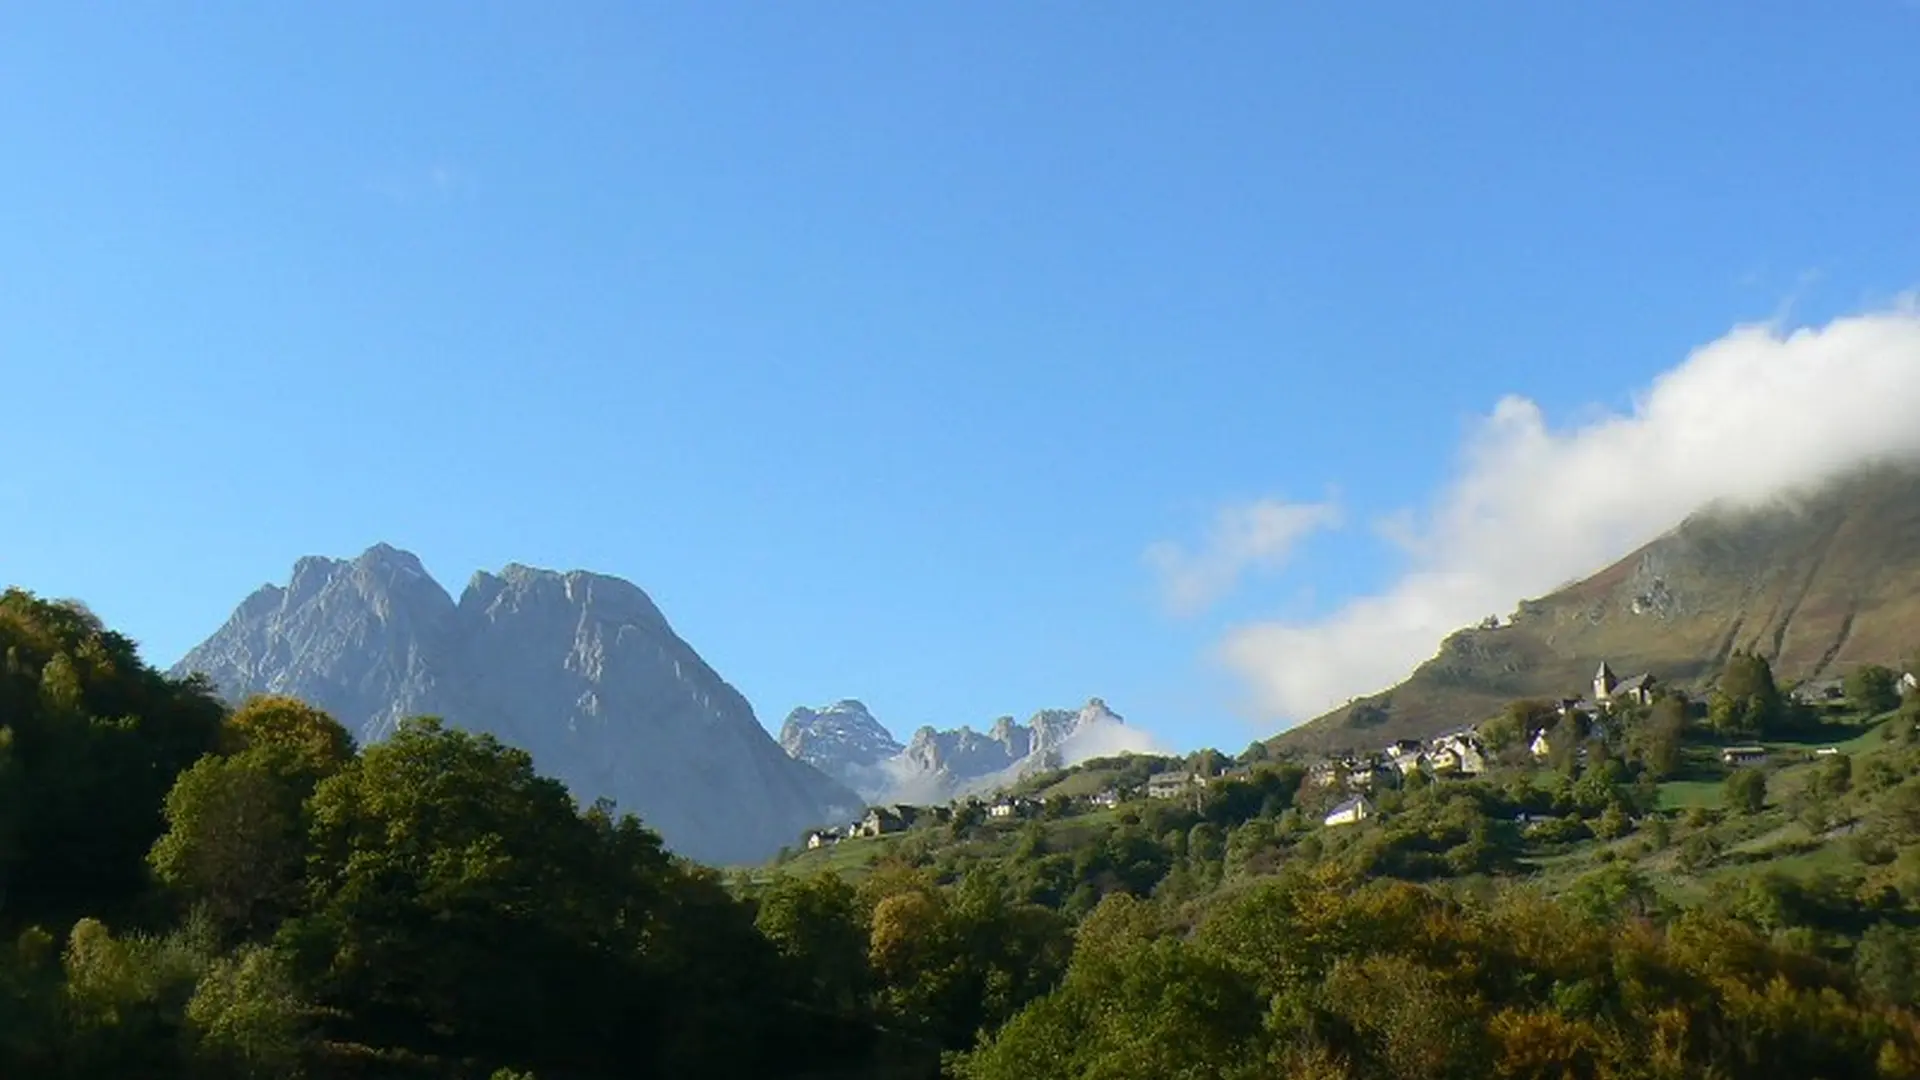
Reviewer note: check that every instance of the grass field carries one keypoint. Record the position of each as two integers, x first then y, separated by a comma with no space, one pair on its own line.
1687,794
849,858
854,859
1830,857
1088,782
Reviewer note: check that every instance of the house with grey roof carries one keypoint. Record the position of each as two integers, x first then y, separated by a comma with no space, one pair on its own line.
1350,811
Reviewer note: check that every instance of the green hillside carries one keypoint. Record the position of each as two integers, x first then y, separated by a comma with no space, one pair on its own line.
196,892
1615,912
1817,584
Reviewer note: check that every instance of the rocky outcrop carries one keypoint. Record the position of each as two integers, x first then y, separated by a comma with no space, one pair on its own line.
579,669
847,743
844,741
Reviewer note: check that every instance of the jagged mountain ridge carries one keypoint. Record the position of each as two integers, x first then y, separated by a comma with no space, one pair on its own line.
846,742
581,670
1817,581
841,733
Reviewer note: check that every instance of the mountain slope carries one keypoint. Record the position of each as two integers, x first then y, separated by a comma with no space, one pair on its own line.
581,670
1818,582
844,741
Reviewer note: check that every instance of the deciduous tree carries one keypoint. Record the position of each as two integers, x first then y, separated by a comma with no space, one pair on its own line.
1745,791
1746,701
1873,689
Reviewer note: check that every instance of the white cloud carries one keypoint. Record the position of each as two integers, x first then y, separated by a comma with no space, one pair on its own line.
1109,740
1250,536
1752,415
1094,741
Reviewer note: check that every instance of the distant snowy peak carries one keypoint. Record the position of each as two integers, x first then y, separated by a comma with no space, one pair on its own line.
841,734
847,743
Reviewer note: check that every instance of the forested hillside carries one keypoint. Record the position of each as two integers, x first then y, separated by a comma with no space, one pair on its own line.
191,892
197,892
1715,887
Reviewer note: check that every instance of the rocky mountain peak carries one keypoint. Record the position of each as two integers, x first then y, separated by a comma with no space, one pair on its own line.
262,600
522,587
936,764
1004,730
386,557
579,669
843,734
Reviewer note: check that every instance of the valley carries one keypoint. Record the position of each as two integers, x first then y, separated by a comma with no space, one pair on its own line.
367,830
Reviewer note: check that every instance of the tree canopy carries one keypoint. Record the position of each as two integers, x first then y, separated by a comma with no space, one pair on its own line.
198,893
1746,701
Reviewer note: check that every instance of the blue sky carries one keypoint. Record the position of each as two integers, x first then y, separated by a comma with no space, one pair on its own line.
882,343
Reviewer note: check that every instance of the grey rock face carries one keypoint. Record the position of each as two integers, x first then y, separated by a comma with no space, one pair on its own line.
580,670
365,639
844,741
848,744
843,733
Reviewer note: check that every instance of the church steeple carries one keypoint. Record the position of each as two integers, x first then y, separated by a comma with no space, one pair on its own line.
1604,682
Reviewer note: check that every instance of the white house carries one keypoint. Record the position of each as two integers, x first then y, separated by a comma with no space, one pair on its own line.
1404,761
1540,747
1012,806
1473,759
1743,755
1357,809
1367,774
1638,690
1172,785
1458,753
1327,773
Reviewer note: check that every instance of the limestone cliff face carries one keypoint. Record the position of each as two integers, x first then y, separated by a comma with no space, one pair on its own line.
844,741
579,669
847,743
365,637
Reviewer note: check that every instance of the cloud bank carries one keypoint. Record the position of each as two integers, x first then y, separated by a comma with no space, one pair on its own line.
1253,536
1758,412
1095,741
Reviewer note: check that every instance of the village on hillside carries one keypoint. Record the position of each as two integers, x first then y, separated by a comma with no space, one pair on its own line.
1352,779
1464,752
899,817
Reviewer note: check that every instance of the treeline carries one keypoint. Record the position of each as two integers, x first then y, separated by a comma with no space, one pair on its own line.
1318,975
1236,936
1208,964
188,892
196,892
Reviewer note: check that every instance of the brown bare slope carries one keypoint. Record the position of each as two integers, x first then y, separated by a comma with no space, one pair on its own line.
1817,582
